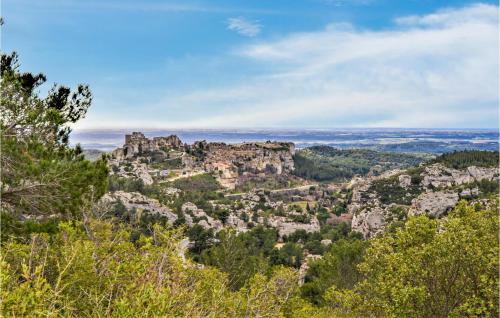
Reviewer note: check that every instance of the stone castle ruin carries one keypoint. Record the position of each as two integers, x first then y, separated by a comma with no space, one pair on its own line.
136,144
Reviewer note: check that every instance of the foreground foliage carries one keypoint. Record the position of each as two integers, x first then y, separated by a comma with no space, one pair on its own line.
427,268
87,267
92,269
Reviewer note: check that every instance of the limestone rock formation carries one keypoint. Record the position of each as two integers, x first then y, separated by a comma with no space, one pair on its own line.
480,173
369,221
190,211
305,266
235,222
434,204
286,227
439,176
404,180
139,202
233,162
468,193
438,192
134,169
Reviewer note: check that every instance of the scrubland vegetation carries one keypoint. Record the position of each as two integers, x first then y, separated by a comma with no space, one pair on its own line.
61,257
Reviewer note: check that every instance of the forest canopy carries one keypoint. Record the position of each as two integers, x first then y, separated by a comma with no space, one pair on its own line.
325,163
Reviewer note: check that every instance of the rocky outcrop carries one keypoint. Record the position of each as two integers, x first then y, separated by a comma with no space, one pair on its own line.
140,203
235,222
141,172
369,221
231,164
439,176
469,193
434,204
344,217
191,212
134,169
404,180
286,227
480,173
305,266
439,191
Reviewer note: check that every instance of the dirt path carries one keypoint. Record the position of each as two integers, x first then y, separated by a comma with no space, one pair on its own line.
188,175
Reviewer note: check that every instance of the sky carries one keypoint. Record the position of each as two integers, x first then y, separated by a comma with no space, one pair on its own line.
266,63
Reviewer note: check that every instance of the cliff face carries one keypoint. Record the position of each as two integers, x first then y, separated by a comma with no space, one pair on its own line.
246,160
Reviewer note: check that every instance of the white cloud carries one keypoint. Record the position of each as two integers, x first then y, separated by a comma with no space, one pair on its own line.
442,71
473,14
244,27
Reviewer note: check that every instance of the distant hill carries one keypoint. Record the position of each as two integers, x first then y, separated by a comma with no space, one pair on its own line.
325,163
435,147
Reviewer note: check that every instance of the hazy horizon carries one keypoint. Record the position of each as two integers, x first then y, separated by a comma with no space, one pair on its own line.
142,129
383,139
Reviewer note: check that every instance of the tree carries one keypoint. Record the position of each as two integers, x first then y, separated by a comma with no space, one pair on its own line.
27,116
430,268
41,175
338,268
202,238
232,256
290,254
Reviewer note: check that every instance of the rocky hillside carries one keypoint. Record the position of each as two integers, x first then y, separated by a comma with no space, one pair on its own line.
192,185
233,164
167,158
431,189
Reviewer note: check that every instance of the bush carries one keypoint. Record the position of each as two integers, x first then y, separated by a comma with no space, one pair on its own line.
202,182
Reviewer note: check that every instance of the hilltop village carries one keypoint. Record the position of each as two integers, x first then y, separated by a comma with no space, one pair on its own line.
215,186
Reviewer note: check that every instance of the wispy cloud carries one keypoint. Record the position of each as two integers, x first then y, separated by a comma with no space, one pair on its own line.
434,70
438,70
479,13
244,26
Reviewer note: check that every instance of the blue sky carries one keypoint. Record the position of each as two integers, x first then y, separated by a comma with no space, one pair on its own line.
272,64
